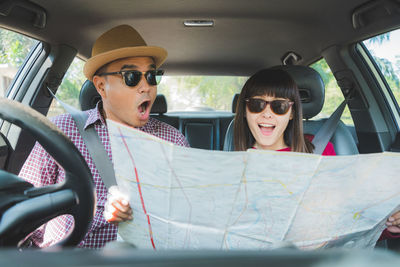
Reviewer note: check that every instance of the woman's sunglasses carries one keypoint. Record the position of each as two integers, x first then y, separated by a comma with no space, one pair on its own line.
278,107
133,77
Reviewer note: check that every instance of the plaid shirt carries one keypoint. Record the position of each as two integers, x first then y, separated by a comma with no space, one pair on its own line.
40,169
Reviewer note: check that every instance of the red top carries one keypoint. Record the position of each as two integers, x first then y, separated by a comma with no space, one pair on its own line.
329,149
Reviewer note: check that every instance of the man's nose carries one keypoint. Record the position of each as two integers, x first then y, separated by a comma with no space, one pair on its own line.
143,85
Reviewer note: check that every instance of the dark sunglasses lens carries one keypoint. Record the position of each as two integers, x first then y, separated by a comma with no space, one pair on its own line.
256,105
280,107
132,78
153,77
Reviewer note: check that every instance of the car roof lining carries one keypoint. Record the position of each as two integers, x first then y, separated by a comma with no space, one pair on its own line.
246,36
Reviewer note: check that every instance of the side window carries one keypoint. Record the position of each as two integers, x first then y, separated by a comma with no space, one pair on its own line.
14,48
333,94
385,51
69,89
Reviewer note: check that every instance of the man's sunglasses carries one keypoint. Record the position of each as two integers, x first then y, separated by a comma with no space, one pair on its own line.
257,105
133,77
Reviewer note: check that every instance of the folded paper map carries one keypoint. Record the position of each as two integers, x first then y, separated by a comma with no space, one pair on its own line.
186,198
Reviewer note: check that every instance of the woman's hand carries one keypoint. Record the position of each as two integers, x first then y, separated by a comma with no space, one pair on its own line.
393,223
117,208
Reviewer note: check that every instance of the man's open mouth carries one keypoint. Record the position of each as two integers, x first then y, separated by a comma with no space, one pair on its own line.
143,107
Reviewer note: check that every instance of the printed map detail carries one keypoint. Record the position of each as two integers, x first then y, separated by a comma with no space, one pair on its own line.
185,198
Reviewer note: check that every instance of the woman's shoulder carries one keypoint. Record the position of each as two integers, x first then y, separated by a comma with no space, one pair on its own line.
329,149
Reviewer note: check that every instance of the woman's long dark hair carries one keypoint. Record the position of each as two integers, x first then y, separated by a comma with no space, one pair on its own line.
276,83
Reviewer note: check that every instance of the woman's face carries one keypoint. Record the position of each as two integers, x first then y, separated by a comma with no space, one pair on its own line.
267,127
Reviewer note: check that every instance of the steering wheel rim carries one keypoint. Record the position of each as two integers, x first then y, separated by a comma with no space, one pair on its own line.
78,184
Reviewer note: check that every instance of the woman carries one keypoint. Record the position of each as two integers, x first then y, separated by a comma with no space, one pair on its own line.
269,115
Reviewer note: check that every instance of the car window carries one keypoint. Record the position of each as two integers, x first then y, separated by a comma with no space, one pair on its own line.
14,48
385,51
197,93
333,94
69,89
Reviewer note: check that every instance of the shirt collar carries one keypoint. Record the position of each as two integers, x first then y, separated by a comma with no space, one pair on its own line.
94,116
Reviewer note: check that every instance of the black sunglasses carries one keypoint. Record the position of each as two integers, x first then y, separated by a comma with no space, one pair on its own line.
132,77
257,105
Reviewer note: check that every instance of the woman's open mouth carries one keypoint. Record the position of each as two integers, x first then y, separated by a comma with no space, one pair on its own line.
266,128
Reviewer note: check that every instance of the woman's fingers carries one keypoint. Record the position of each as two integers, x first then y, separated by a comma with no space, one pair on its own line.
394,229
394,219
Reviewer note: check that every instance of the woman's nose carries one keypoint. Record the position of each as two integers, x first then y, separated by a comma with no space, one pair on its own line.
267,112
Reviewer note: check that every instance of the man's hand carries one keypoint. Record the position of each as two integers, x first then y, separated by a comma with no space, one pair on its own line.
117,208
393,223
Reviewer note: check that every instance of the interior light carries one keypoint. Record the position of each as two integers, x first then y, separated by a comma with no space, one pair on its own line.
198,23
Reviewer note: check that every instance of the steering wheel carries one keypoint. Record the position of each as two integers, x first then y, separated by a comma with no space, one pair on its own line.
23,208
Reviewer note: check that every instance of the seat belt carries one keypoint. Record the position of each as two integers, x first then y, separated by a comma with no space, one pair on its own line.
93,143
326,131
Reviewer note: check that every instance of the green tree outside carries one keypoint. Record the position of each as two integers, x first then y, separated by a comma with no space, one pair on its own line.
14,47
69,89
390,69
333,94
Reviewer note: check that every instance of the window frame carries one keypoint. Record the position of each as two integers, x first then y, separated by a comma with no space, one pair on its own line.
380,82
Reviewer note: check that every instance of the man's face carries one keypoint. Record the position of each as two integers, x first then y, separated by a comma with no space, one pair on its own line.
122,103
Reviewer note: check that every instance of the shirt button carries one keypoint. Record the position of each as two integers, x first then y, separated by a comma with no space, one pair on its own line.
90,234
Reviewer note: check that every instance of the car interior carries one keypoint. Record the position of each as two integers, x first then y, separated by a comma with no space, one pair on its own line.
215,132
214,38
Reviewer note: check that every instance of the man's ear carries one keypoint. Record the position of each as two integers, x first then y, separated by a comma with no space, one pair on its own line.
100,83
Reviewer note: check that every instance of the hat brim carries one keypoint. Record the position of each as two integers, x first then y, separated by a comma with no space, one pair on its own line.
94,63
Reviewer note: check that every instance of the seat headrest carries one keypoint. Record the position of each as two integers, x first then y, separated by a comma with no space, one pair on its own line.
159,105
311,88
88,98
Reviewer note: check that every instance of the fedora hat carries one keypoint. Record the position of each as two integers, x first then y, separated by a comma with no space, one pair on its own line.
121,42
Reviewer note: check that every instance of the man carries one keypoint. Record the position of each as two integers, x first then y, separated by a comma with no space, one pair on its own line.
125,72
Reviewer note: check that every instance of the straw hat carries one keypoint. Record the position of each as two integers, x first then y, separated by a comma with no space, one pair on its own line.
121,42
